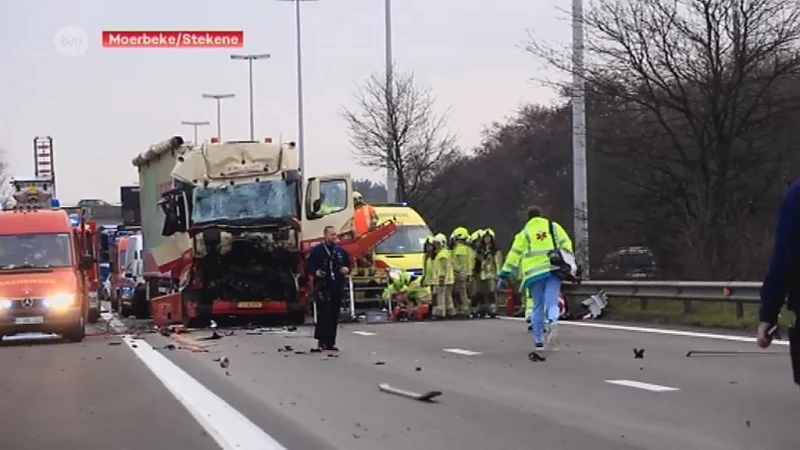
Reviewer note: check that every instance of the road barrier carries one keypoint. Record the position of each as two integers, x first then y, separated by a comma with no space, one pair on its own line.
737,292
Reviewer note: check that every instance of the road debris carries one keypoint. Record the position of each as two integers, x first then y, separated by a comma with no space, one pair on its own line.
421,397
114,343
638,353
731,353
379,363
224,362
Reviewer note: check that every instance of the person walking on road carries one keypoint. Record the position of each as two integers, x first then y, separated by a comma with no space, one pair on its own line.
329,264
782,282
538,254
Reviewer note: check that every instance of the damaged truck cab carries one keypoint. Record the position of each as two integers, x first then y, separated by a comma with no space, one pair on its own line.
223,229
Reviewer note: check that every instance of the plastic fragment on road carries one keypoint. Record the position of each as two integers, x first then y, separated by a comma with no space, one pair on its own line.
421,397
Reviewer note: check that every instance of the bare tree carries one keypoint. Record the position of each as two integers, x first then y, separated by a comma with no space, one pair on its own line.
400,126
699,96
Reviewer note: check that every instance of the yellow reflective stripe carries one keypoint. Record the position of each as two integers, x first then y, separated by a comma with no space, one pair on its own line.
532,253
537,270
516,251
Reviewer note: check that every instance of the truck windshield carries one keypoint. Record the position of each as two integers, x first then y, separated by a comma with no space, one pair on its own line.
35,250
249,202
407,239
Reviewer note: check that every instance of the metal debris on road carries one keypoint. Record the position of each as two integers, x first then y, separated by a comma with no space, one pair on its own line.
224,362
731,353
380,363
422,397
638,353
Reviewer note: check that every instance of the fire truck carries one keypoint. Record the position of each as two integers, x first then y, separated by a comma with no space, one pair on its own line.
48,266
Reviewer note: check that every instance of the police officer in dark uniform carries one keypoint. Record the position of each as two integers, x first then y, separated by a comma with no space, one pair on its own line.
782,283
329,264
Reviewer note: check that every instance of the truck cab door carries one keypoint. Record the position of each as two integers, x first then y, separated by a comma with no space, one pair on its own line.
328,201
177,222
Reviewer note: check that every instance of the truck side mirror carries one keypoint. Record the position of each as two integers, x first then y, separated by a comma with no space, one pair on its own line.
85,262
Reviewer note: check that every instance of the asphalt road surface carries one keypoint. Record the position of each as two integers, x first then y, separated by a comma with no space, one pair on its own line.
247,391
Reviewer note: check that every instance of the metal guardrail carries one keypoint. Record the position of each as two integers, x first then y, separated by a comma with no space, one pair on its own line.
737,292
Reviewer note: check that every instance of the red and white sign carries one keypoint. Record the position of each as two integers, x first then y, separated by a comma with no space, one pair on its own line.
176,39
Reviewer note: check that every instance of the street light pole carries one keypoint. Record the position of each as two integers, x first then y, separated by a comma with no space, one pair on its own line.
219,98
195,125
250,58
579,179
300,125
391,188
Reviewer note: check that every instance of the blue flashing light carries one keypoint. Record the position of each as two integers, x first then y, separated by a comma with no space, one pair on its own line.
74,220
54,203
403,203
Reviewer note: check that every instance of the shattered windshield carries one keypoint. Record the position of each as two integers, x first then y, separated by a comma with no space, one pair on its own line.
35,250
254,201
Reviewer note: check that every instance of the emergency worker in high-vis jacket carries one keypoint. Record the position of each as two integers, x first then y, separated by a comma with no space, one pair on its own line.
463,263
428,263
444,276
474,288
491,261
530,255
408,297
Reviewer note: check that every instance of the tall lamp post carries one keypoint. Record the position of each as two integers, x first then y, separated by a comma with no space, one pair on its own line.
195,125
250,58
579,178
300,137
219,98
391,188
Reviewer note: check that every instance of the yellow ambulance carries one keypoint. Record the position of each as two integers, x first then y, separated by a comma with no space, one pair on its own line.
403,250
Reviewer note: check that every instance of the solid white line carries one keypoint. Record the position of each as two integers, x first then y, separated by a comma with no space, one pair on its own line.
662,331
645,386
230,428
363,333
461,351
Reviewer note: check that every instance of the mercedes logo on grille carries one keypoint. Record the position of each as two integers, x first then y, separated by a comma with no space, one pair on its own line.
27,303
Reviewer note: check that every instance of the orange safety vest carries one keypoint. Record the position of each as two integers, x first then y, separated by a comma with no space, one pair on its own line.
363,218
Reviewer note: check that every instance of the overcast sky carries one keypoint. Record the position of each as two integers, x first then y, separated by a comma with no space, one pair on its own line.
110,105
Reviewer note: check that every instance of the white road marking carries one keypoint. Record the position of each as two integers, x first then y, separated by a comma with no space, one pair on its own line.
641,385
363,333
230,428
662,331
461,351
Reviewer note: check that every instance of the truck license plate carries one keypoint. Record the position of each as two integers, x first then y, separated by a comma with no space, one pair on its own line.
29,320
249,305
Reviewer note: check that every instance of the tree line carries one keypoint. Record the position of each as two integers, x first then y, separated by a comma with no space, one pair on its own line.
692,107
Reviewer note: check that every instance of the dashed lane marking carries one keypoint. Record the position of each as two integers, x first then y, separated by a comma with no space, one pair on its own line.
363,333
461,351
662,331
230,428
644,386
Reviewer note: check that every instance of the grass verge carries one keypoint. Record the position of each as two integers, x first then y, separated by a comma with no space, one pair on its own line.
670,312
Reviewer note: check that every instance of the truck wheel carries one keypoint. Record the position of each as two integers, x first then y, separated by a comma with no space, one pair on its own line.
94,315
77,332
